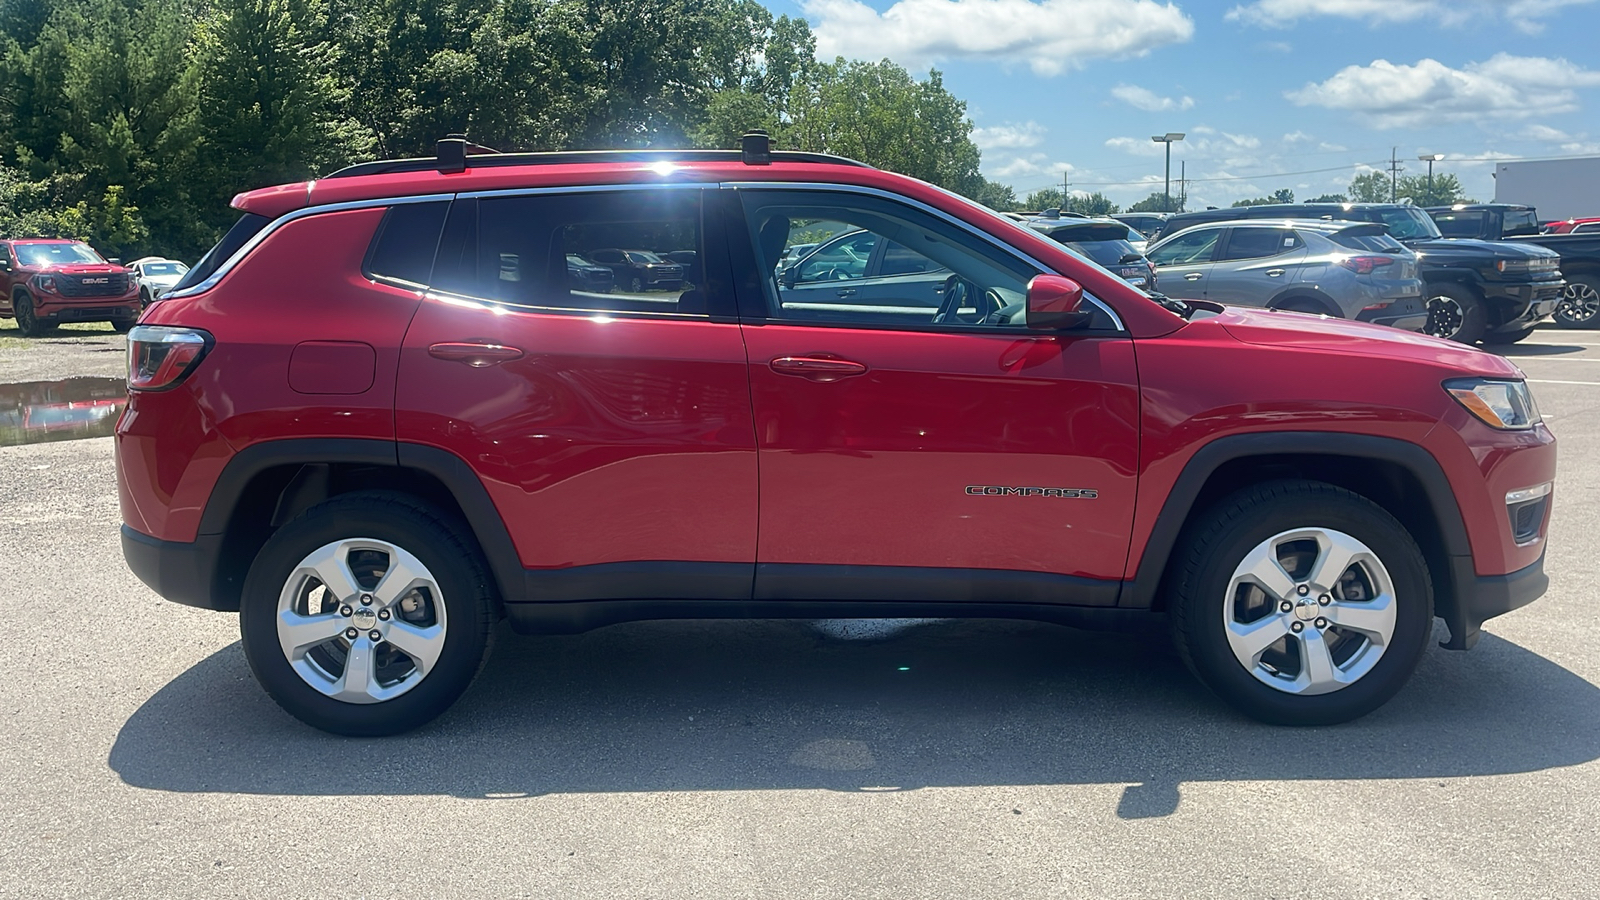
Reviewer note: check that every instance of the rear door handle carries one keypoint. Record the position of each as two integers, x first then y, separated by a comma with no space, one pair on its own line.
1194,276
817,368
1274,273
475,354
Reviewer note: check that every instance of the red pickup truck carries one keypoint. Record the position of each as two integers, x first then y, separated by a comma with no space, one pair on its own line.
47,281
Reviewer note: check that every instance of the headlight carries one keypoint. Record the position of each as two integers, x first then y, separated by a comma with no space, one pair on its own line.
1535,265
1507,405
46,283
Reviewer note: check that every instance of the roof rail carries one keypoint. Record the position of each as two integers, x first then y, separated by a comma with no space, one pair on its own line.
457,154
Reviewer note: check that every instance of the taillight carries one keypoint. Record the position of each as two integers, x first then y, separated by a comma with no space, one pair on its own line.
160,356
1366,265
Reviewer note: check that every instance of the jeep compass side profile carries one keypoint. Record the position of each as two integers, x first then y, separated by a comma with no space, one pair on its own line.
429,427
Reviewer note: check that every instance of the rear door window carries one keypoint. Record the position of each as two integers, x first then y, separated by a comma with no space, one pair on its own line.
1365,240
1255,243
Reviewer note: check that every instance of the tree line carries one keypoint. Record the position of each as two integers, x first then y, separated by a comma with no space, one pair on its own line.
131,123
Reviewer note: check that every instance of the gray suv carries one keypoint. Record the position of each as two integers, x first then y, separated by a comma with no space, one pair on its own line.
1353,270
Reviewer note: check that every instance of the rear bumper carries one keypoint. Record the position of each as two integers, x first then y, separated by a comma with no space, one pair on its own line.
180,571
1406,314
1479,598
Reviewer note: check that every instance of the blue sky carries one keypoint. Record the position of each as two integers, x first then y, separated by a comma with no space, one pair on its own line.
1266,90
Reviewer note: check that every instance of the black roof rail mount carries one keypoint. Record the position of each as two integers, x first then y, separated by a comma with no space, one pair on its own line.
457,154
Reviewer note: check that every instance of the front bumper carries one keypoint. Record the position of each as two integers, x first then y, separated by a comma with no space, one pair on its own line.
1479,598
86,309
179,571
1527,302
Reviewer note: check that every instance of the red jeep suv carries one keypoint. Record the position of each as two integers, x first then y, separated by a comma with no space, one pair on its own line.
429,426
45,281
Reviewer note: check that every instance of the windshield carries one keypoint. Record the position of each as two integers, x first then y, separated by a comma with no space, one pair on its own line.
643,256
574,259
166,268
1106,253
1407,222
39,255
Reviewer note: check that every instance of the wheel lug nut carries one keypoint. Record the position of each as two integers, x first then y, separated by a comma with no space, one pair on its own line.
1325,599
366,599
383,614
351,633
1321,623
345,611
374,634
1297,627
1285,606
1302,590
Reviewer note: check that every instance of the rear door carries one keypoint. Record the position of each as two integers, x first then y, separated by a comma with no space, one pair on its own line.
1184,263
1254,265
612,431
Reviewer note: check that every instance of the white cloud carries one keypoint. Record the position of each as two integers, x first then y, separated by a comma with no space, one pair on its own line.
1030,165
1009,136
1545,133
1148,100
1430,92
1526,16
1051,36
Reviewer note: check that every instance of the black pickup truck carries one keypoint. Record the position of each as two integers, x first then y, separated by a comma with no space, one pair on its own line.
1494,292
1580,253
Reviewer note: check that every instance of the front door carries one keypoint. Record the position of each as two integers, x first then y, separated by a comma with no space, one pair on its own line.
948,455
1184,263
611,429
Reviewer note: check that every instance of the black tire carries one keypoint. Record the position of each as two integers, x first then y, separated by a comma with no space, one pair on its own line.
1509,337
1304,305
144,298
1580,307
1218,542
439,542
636,284
123,326
1455,312
27,322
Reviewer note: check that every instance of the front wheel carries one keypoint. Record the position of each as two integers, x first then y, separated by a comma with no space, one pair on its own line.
635,284
27,321
1301,603
1580,305
369,614
1455,313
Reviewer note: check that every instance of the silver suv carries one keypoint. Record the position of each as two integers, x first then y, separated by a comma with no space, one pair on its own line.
1353,270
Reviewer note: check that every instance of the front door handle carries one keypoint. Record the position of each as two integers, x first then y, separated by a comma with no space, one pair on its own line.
846,292
1274,273
1194,276
475,354
817,368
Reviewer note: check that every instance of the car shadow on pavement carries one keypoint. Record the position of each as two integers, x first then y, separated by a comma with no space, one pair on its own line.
727,705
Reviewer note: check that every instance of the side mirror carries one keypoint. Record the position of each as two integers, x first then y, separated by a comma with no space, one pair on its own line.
114,261
1130,258
789,276
1053,304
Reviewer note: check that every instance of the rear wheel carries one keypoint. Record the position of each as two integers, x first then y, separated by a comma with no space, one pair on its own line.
1455,313
1580,305
369,614
1300,603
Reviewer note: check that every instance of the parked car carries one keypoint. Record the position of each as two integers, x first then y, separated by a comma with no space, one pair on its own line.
155,276
1579,251
1106,242
583,275
1148,224
46,281
1352,270
871,276
639,270
1573,226
373,475
1475,290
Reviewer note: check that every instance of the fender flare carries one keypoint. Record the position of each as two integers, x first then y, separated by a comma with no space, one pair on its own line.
1303,290
1179,506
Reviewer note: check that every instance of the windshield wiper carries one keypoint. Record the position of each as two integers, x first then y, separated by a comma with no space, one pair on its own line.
1171,305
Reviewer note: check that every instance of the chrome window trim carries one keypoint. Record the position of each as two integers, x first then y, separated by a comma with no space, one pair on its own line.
267,231
975,231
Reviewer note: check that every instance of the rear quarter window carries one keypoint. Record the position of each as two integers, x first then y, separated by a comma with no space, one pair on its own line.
403,249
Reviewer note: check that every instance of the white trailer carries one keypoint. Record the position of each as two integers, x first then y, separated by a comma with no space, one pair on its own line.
1558,188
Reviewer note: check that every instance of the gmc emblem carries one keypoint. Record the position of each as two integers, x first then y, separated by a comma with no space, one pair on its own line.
96,280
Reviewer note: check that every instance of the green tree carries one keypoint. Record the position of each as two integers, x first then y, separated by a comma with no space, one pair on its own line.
1370,187
1328,198
1156,202
1445,190
998,197
1281,195
1045,198
1095,204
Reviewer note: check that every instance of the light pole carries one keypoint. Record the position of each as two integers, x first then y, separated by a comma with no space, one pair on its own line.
1430,159
1168,139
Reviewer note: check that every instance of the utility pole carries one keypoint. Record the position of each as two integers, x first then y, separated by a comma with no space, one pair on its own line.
1064,186
1183,185
1394,174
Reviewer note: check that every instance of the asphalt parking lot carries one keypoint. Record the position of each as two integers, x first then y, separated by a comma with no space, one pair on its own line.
776,759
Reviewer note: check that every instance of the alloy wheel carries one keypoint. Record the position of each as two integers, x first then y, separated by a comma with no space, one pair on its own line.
1445,317
1580,304
1309,611
361,620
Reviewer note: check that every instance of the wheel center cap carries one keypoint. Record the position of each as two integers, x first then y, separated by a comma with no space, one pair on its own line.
1305,609
364,618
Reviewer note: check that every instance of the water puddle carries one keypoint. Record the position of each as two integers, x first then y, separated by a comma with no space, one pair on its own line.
38,411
